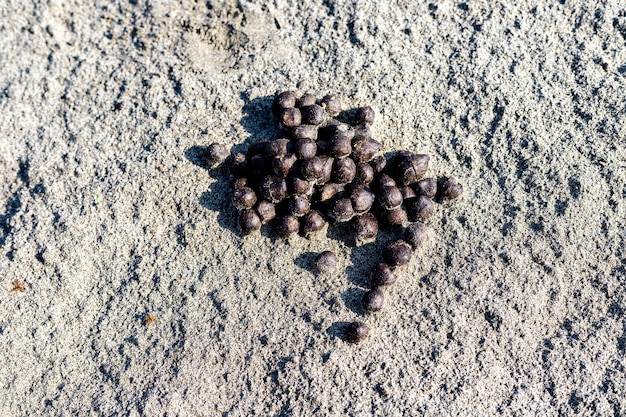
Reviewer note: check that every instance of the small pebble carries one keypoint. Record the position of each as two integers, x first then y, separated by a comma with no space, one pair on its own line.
326,262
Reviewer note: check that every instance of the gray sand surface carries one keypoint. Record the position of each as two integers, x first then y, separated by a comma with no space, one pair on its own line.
514,307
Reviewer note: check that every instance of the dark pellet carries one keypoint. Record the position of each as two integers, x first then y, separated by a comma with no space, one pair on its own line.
244,198
363,150
357,332
382,275
365,229
420,208
364,174
416,234
286,226
412,168
313,115
451,189
407,192
291,117
344,170
362,199
313,169
305,132
297,185
326,262
332,105
216,154
298,205
305,148
397,253
341,210
327,170
283,101
278,147
249,221
427,187
282,165
390,197
378,164
364,115
340,145
274,189
312,222
239,166
307,99
395,217
266,211
373,300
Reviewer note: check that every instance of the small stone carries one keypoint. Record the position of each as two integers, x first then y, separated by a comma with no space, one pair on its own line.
382,275
373,300
416,234
451,189
216,154
397,253
357,332
326,262
364,115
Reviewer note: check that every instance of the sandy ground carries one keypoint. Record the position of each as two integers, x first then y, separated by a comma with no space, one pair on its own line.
515,307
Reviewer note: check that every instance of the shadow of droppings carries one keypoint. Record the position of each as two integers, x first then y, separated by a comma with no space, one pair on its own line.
337,330
352,300
306,261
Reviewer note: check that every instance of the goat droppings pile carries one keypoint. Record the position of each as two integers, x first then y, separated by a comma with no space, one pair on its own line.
320,170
